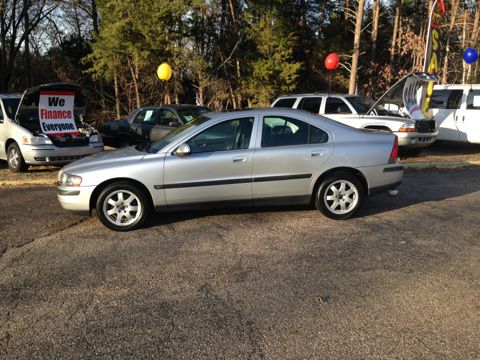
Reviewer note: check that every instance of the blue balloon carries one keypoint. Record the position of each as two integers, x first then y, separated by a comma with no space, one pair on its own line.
470,55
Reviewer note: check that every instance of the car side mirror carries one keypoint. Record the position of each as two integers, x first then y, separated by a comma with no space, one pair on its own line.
183,150
173,124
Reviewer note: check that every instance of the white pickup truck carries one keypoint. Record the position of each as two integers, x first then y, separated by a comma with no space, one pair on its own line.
396,111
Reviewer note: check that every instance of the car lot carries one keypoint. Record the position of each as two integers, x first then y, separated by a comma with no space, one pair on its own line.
398,281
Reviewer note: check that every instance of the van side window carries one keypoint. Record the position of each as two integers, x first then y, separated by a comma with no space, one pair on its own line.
1,115
310,104
285,103
473,100
446,99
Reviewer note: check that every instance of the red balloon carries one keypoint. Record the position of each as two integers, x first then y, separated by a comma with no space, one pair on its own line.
332,61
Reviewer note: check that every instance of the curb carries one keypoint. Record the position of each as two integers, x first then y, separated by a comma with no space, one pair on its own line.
450,165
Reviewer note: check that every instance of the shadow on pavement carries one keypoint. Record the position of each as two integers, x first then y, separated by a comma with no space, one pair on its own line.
417,187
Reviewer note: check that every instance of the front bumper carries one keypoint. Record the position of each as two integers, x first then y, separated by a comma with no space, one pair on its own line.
416,139
75,199
52,155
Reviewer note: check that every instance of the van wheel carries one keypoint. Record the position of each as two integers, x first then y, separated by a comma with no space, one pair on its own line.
122,206
339,196
15,159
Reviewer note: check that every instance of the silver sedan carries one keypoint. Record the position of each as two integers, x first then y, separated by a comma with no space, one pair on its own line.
253,157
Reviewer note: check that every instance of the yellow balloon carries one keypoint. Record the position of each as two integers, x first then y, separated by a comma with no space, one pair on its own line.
164,72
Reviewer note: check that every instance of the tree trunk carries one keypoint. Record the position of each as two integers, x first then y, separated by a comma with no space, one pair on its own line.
395,30
376,16
134,73
464,35
356,47
3,43
447,47
117,94
26,49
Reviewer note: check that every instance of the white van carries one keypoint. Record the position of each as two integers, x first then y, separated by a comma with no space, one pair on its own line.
456,111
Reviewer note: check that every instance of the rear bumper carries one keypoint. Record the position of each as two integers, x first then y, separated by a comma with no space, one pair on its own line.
416,139
381,178
51,155
75,199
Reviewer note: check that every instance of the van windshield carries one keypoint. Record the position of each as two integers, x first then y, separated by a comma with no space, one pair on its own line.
11,106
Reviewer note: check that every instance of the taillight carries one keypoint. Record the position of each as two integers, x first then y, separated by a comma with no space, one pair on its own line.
394,153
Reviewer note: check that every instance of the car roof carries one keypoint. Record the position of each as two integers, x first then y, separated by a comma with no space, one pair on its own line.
170,106
314,94
10,96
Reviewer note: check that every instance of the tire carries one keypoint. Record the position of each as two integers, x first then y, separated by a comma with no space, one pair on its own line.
330,191
117,201
15,160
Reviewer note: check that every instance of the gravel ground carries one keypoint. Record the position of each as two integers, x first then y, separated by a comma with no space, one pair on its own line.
401,281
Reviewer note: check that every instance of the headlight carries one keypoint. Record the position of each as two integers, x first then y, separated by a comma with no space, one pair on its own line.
96,138
69,180
408,128
36,140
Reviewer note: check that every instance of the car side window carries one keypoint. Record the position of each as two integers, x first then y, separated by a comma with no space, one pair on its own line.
336,105
284,131
165,117
1,115
285,103
311,104
446,99
228,135
145,117
473,99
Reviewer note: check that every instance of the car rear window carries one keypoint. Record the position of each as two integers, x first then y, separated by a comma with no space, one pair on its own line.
285,103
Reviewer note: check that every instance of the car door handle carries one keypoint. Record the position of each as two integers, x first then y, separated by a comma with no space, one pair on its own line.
240,159
316,154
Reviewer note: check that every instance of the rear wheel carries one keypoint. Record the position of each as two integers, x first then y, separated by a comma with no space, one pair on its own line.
15,159
122,206
339,196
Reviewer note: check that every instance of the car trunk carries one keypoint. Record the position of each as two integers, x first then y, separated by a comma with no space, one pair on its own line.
405,98
28,114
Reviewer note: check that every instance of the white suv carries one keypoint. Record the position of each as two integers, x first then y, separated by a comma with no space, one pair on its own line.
389,113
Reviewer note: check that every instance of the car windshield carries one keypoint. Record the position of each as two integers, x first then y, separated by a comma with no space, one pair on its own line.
11,106
172,136
191,113
360,103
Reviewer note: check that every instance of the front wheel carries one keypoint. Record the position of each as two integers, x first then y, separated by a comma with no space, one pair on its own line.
339,196
122,206
15,159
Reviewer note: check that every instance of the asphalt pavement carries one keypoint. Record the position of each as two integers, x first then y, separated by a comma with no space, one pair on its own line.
401,280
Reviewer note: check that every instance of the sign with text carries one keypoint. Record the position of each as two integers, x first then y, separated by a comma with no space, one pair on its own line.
55,111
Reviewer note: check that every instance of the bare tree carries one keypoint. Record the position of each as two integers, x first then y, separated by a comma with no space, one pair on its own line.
356,46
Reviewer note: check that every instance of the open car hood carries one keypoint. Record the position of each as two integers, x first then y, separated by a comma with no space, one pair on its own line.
404,95
27,114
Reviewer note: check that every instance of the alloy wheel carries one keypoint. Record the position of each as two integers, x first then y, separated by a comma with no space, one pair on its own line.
122,207
341,197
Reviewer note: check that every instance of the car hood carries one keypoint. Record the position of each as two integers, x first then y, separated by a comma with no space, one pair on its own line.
104,159
405,93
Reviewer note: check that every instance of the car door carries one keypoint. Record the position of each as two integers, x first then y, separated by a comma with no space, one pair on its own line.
468,117
143,123
219,167
445,105
166,121
336,108
289,154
